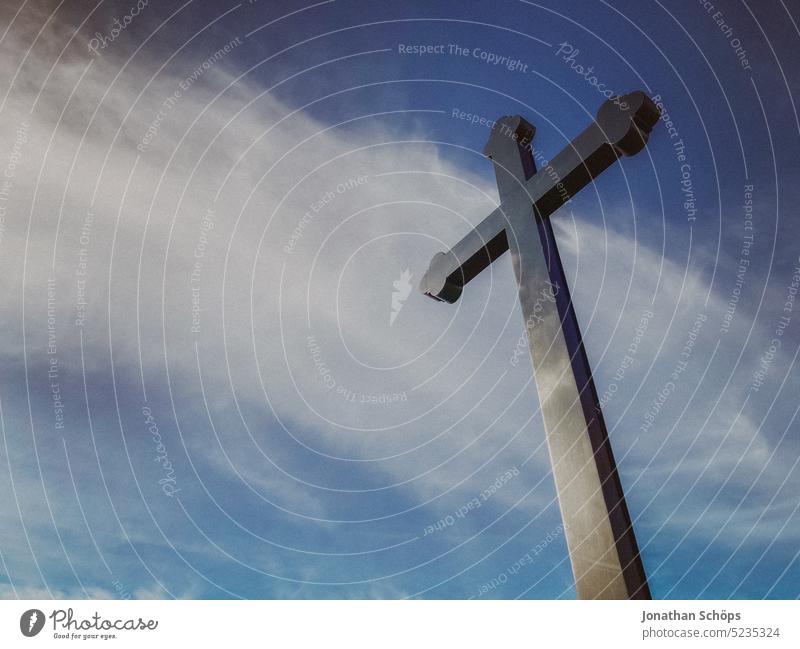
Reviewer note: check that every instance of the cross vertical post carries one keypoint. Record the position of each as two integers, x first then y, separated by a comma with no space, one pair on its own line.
602,547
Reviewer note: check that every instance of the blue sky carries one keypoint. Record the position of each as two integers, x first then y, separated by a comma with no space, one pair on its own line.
205,216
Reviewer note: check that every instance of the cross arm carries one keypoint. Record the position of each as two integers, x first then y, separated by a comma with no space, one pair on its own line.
450,271
622,127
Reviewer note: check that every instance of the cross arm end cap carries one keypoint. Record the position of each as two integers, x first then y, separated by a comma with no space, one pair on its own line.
626,121
438,282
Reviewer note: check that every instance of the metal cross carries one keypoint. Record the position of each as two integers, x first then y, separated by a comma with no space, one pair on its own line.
602,546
